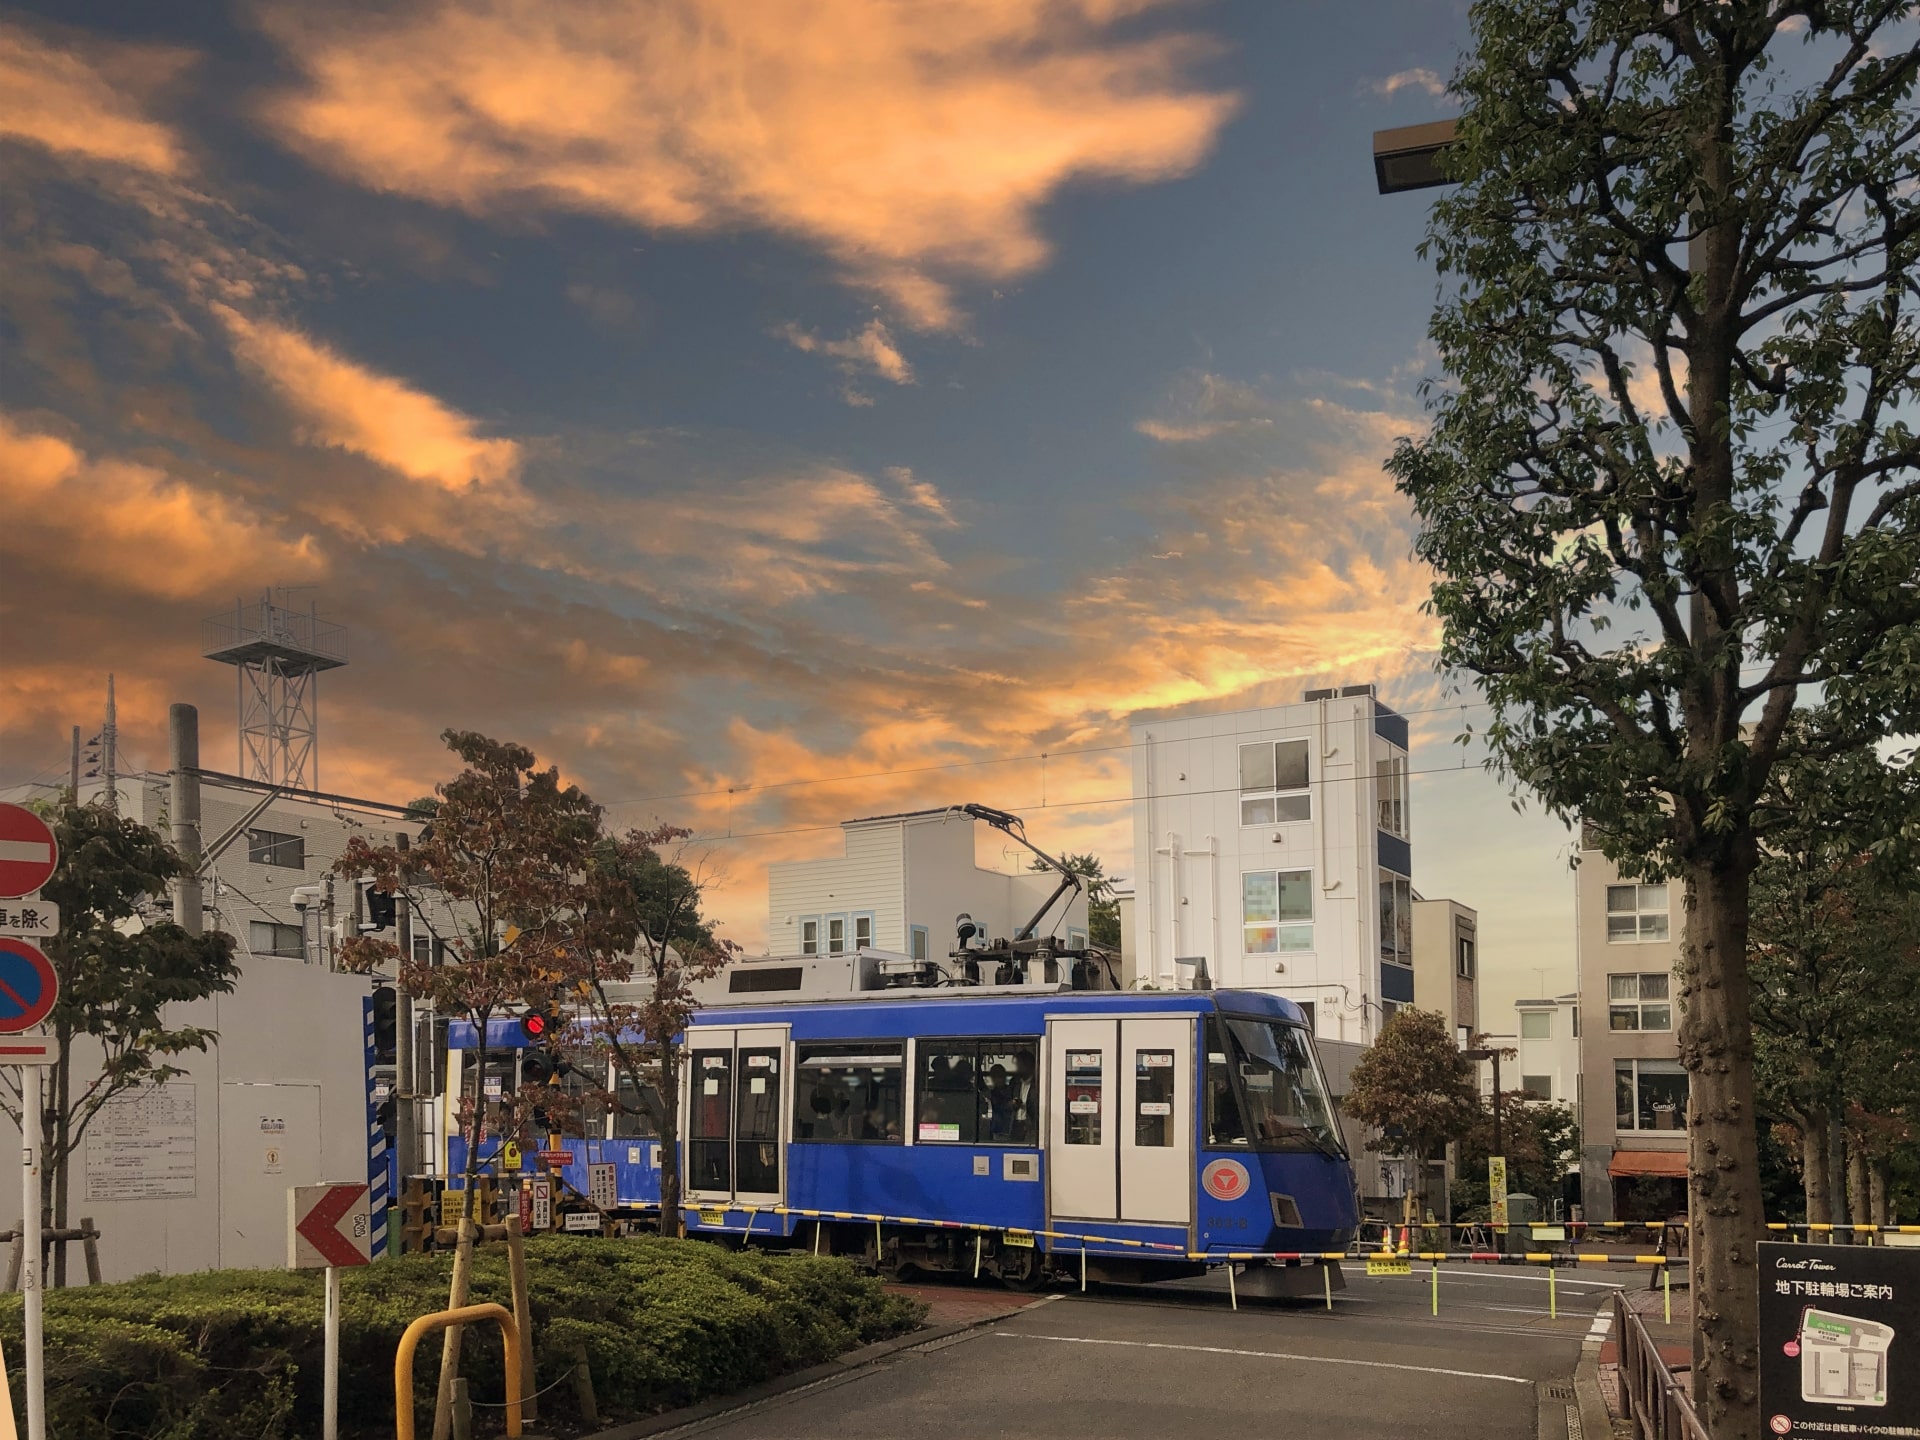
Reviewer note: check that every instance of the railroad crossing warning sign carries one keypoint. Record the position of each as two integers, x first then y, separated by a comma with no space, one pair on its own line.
28,985
28,852
328,1225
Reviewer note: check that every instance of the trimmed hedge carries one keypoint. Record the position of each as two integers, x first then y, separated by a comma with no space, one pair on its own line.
236,1354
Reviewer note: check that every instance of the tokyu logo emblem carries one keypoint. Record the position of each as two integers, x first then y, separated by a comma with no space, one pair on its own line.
1225,1180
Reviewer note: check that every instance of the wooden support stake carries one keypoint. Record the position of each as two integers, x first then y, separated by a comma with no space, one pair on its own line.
462,1410
522,1316
89,1244
450,1346
583,1386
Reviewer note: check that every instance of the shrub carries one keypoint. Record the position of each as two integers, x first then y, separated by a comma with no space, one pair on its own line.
236,1354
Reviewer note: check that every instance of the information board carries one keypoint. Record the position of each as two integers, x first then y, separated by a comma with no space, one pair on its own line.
600,1185
1839,1340
144,1146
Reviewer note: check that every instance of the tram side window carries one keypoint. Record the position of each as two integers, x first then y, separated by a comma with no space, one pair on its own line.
977,1092
852,1090
1226,1125
632,1118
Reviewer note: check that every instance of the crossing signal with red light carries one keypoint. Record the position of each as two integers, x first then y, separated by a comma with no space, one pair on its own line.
536,1027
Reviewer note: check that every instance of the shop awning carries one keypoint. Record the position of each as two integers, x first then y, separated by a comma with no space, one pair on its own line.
1649,1162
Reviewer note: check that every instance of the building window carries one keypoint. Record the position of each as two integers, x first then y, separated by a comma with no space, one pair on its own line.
921,943
264,937
269,847
423,950
1388,1009
863,930
1392,776
1465,963
810,935
1273,782
1573,1016
1396,918
836,934
1536,1024
1540,1087
851,1090
1636,914
1276,911
1639,1002
1650,1095
977,1092
1076,939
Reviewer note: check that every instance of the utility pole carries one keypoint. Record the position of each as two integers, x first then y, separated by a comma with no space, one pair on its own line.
73,771
406,1136
183,743
109,760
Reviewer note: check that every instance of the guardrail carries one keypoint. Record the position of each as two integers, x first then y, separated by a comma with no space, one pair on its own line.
441,1320
1657,1404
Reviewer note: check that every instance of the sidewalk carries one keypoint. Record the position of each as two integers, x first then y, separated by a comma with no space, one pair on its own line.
1674,1338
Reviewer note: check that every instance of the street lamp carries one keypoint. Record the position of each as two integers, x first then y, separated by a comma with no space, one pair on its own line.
1407,158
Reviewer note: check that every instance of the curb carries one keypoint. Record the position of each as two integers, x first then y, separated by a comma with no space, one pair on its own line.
1596,1423
841,1365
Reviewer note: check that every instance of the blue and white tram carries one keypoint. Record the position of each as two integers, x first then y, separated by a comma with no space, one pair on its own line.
1009,1127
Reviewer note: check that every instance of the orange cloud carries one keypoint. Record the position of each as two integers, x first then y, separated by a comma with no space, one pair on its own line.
133,526
349,407
912,144
87,105
869,350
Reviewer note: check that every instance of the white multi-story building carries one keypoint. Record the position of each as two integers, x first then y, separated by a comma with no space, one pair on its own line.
900,885
1273,845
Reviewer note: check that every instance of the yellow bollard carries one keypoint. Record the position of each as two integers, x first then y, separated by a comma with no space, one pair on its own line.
1233,1294
1326,1279
1553,1302
1666,1292
1436,1287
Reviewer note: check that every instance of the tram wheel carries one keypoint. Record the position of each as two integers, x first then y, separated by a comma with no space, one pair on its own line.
1020,1269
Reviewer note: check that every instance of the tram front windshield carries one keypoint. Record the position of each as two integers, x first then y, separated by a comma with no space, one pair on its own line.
1274,1082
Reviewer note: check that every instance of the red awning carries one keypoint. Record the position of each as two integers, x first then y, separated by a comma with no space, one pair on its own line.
1649,1162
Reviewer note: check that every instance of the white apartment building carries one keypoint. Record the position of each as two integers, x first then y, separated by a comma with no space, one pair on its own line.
900,885
1273,844
1546,1033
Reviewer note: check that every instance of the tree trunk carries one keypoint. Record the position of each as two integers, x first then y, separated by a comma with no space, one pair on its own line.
1877,1190
1857,1205
1716,1046
670,1216
1837,1172
1816,1179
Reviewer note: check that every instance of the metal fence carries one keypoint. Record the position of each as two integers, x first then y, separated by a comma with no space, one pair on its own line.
1659,1405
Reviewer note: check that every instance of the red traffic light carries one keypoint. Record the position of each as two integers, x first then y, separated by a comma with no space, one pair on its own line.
534,1026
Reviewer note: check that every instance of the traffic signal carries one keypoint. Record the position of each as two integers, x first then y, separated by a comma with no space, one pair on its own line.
379,908
539,1067
386,1008
537,1027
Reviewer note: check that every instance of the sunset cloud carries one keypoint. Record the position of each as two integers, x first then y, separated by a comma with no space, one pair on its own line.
133,527
87,104
1419,78
869,351
914,146
350,407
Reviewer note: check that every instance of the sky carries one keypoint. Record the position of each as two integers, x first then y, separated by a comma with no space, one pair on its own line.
770,411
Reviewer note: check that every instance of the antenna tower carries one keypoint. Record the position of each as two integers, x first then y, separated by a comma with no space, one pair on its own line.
277,653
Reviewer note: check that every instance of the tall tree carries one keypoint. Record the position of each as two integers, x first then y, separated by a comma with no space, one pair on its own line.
1835,963
1670,479
1416,1090
120,966
641,946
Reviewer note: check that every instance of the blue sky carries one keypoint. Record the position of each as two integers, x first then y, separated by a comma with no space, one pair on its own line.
727,394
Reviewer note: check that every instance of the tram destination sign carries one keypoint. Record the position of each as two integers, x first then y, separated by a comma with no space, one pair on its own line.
1835,1322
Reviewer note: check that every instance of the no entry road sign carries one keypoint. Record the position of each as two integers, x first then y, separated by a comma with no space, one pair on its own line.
328,1225
28,985
27,852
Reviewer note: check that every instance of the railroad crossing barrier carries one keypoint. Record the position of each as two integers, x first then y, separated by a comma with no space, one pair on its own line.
440,1320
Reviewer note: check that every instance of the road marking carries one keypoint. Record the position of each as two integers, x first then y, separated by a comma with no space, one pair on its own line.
1265,1355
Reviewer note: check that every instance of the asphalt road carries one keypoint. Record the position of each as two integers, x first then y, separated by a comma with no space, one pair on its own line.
1141,1362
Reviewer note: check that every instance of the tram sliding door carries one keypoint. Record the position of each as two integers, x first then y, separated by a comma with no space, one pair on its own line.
736,1096
1120,1127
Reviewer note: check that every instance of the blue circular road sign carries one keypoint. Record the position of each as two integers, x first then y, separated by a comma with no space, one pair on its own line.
28,985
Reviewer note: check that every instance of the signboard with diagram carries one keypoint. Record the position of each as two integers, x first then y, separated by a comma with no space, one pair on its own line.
1835,1321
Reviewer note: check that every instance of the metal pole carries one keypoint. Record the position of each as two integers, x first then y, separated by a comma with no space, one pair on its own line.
183,744
73,771
406,1133
32,1269
330,1396
1435,1273
1498,1148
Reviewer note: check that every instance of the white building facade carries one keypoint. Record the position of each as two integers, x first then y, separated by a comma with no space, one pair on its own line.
1273,844
900,885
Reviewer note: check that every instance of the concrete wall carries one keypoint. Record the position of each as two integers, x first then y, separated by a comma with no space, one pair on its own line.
279,1101
1438,928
